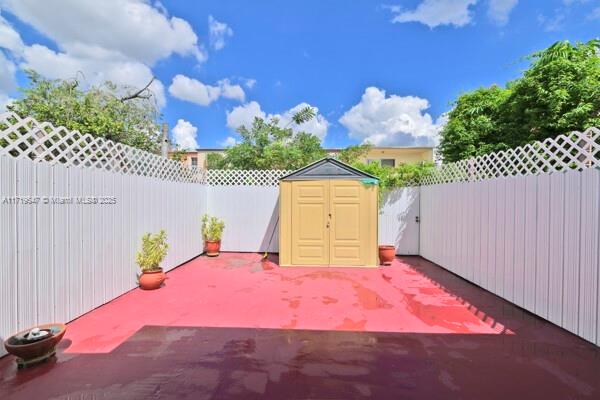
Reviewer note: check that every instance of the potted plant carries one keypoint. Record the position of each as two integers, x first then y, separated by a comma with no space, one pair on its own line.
391,178
154,250
212,231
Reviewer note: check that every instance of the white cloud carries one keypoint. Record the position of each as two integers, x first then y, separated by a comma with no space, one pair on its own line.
231,91
317,126
7,75
229,142
218,32
250,83
391,120
116,40
192,90
133,28
184,135
552,23
499,10
436,12
9,38
4,101
244,116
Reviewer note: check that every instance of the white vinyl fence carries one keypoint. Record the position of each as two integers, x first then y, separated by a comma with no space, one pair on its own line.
59,261
533,240
251,216
398,220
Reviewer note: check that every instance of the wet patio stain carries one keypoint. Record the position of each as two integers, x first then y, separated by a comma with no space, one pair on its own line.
329,300
351,325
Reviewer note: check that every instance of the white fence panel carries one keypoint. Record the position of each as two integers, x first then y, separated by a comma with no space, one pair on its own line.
59,261
251,215
398,220
538,241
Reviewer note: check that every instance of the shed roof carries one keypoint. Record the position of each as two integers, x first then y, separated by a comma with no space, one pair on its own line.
327,168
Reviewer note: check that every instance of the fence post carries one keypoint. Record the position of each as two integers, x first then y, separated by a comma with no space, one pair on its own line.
164,149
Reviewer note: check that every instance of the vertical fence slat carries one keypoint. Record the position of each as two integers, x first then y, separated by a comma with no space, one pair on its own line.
26,247
8,248
588,278
570,296
530,243
542,246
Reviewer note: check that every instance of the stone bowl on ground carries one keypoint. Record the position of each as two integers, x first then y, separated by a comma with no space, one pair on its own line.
31,352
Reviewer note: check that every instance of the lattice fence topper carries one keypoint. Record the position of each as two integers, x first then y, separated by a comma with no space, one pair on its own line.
576,150
43,142
232,177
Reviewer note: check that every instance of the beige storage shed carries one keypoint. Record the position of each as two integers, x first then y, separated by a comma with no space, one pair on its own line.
328,216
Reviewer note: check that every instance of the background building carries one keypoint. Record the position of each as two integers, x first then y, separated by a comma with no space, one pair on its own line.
391,156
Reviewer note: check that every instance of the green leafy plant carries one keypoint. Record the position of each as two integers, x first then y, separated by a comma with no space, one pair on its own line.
154,250
354,153
558,93
391,178
212,228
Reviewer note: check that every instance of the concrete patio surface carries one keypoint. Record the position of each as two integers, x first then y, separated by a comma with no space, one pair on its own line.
233,327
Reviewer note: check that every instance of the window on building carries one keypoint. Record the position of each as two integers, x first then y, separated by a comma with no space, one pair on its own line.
370,161
388,162
194,161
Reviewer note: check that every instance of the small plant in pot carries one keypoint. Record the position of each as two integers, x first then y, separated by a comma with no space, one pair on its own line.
391,178
212,231
154,250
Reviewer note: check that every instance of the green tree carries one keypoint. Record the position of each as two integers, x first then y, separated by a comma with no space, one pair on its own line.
267,145
472,127
558,93
121,114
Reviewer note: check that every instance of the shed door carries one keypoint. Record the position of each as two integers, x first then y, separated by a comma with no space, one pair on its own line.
349,233
330,223
310,218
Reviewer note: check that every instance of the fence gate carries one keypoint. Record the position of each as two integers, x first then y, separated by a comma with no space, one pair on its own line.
399,220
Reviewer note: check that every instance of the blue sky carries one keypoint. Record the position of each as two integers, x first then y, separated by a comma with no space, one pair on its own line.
382,72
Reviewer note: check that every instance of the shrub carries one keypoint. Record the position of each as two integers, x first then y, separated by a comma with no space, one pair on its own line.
154,250
391,178
212,228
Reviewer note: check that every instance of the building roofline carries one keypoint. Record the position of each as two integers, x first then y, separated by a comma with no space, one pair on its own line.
329,149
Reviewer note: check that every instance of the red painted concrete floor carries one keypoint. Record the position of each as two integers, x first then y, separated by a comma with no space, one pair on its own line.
233,328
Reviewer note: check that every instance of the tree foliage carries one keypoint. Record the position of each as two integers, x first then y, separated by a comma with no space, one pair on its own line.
121,114
267,145
558,93
353,153
391,178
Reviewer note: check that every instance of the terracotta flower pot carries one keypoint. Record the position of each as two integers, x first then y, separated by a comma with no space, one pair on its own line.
386,254
39,350
212,247
152,279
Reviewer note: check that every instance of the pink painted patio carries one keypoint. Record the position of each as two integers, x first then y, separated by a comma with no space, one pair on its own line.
235,327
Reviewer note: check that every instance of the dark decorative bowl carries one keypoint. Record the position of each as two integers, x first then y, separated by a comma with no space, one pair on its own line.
38,350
